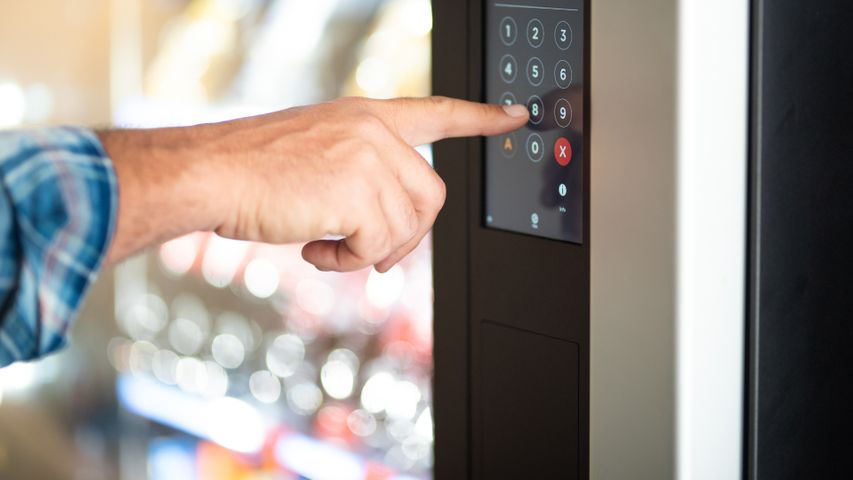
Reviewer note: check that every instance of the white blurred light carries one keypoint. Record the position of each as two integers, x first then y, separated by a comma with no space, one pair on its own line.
164,364
230,422
191,307
144,317
221,260
403,400
186,336
39,100
17,377
423,426
285,354
384,289
216,384
228,350
319,460
416,447
376,391
304,398
261,278
265,386
417,16
239,326
13,104
337,378
178,255
374,76
315,296
191,375
141,357
361,422
238,425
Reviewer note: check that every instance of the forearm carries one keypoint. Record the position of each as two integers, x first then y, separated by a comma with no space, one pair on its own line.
167,186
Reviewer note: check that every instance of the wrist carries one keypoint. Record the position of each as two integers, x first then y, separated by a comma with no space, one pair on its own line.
165,187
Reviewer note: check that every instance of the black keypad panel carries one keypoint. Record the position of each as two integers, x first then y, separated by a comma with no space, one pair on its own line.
534,176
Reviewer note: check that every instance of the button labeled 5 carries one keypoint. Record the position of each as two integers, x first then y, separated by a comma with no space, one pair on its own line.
535,71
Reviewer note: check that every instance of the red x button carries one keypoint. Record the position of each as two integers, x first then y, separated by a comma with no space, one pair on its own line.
563,151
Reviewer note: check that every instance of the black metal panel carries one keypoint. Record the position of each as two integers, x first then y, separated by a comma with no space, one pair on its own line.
450,244
537,286
800,391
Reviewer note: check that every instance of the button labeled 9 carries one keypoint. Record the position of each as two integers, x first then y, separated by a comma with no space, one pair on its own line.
563,113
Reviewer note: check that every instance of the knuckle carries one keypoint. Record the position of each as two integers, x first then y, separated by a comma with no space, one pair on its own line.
370,126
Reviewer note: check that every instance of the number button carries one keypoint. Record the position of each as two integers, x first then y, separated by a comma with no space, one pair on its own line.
563,113
535,33
508,99
535,71
535,147
508,31
563,35
563,74
536,108
508,68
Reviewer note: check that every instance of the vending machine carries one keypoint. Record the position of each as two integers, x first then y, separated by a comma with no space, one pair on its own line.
651,279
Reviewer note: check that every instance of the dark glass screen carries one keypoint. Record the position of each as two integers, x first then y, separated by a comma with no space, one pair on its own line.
534,176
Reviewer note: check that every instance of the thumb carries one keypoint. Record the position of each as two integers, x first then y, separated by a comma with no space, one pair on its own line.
425,120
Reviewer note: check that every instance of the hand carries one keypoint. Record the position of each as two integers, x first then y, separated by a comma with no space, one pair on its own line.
345,168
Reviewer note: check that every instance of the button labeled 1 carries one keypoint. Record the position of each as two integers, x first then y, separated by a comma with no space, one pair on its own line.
508,31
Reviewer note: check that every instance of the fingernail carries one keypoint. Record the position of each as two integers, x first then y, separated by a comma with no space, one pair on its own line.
515,110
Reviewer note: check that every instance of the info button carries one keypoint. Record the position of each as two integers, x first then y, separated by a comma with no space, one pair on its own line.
563,151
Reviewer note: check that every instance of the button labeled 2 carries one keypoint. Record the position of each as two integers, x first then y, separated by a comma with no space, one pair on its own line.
535,33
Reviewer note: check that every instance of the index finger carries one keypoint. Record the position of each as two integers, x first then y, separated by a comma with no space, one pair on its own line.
420,121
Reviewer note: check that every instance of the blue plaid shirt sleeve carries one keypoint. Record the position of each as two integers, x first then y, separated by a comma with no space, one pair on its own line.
58,204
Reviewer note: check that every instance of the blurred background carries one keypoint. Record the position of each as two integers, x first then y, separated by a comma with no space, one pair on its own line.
210,358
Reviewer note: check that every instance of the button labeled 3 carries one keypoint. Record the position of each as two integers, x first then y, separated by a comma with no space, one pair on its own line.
563,35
